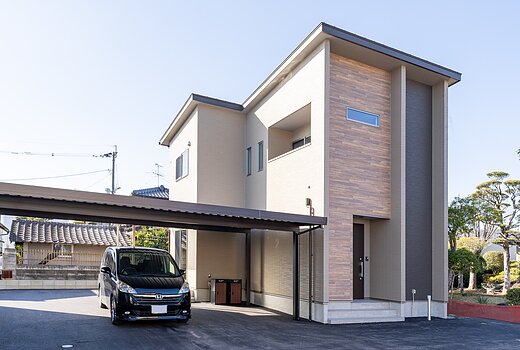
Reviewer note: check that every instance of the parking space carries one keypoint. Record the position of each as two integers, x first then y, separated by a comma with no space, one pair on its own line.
49,319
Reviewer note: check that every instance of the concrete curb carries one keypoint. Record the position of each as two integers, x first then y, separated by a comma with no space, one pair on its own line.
48,284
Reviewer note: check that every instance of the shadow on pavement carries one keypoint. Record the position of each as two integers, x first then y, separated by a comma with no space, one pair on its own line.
44,294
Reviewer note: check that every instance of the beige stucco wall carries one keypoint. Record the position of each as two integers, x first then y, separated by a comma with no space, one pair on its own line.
220,164
185,189
216,176
288,180
221,255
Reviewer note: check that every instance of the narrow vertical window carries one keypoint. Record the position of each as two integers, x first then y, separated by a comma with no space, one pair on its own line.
260,155
248,161
181,165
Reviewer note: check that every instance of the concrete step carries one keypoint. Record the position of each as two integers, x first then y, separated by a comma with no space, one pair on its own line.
362,313
352,320
360,305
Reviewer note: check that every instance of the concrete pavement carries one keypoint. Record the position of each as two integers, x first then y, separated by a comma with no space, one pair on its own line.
48,319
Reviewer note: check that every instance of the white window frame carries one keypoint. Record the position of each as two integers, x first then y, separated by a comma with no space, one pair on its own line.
183,162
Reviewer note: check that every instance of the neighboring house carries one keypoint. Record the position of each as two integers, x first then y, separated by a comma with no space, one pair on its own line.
345,128
50,243
3,233
160,192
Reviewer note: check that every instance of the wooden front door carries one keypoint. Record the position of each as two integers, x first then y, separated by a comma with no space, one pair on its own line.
358,261
220,293
235,293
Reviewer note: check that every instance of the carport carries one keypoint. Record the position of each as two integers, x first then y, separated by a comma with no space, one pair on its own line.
78,205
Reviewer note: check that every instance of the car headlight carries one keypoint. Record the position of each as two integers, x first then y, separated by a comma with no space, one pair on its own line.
125,288
185,288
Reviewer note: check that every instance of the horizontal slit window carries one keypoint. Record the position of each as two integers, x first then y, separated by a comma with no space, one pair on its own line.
362,117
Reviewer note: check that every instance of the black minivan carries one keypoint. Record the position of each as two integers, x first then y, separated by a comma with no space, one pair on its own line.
142,284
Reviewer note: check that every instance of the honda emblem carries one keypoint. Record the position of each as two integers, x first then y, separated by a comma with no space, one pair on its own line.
158,296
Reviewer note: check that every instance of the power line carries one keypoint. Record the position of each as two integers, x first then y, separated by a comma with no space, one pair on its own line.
51,154
112,155
57,177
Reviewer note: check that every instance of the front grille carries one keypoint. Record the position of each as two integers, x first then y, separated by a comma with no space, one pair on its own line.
148,313
149,299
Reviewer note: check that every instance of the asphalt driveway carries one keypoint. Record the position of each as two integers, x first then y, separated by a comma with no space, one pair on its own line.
49,319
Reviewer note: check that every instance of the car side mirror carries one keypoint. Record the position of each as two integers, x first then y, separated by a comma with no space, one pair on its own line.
183,272
106,269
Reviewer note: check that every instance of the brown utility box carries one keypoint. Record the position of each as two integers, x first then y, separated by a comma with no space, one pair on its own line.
6,274
226,291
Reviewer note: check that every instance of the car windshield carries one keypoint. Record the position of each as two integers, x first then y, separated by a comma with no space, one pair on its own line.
146,263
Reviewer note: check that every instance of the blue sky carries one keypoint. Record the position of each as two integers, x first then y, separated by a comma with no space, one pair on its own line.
80,76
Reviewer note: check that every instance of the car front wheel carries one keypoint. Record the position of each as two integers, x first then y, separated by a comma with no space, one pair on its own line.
113,314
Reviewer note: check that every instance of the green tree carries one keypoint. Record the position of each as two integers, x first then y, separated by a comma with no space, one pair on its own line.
499,199
152,237
494,261
474,245
461,217
460,261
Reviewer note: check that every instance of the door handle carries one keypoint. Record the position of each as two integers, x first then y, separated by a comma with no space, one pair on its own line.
361,269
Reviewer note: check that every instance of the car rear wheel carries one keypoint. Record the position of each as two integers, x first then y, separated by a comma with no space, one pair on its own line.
113,314
101,305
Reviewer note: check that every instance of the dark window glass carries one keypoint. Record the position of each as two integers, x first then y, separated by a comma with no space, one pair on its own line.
298,143
141,263
301,142
248,161
260,155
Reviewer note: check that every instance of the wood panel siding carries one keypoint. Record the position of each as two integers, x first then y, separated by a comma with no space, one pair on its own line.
359,161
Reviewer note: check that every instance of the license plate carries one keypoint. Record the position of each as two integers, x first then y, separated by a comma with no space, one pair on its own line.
159,309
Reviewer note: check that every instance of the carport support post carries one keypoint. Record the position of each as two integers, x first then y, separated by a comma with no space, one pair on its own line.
296,276
248,267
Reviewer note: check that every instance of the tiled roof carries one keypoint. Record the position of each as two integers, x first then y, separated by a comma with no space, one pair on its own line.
62,232
154,192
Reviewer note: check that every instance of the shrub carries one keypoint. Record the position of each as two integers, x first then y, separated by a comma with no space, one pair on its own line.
482,300
494,261
513,296
514,274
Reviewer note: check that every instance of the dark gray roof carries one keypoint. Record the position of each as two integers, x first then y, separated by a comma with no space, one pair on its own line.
154,192
389,51
48,202
37,231
217,102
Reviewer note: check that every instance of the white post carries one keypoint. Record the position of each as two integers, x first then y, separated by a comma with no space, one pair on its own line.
429,307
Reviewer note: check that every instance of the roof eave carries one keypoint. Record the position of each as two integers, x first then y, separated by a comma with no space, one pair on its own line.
189,106
389,51
326,31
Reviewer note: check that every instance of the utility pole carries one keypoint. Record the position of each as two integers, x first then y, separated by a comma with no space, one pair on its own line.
113,155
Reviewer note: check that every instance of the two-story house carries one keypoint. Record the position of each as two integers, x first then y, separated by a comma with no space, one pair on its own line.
349,129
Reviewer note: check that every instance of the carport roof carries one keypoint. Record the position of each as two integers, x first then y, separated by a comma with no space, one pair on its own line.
27,200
